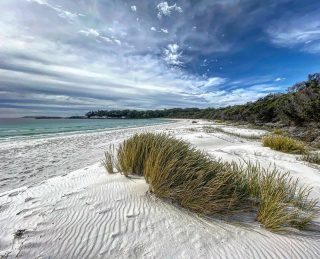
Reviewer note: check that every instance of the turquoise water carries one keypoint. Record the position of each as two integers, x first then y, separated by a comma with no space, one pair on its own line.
27,128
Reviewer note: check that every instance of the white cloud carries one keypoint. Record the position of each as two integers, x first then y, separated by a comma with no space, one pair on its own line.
42,2
97,35
278,79
67,14
60,11
164,30
239,96
172,55
133,8
165,10
90,32
214,81
153,29
297,31
106,39
118,42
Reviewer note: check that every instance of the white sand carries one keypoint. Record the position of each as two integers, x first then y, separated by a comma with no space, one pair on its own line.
85,213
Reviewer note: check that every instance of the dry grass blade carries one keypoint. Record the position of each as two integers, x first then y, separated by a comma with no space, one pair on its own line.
109,158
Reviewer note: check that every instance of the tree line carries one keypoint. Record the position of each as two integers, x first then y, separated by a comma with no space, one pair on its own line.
299,105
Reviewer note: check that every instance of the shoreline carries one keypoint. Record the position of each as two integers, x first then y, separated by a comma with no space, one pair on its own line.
43,158
71,133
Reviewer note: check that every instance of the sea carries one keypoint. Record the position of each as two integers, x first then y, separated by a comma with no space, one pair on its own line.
26,128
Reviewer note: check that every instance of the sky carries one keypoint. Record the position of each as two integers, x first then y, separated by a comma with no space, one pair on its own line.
68,57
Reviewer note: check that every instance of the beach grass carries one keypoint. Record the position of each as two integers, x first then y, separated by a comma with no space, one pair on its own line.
191,178
192,129
209,129
109,160
280,199
313,158
278,131
284,144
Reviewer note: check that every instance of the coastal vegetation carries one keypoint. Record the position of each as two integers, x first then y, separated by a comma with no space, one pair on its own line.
278,132
191,178
313,158
210,129
300,105
108,161
284,144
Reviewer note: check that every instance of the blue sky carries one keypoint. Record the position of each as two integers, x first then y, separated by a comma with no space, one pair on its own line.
67,57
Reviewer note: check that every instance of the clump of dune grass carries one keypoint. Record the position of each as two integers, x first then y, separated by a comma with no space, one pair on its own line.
175,170
208,129
278,131
280,200
313,158
109,160
284,144
219,121
192,129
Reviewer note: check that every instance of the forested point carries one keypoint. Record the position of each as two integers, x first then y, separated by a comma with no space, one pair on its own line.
300,105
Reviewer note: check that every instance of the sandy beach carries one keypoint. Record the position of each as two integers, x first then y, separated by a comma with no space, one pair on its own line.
57,193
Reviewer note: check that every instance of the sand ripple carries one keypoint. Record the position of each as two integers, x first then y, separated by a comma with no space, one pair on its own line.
89,214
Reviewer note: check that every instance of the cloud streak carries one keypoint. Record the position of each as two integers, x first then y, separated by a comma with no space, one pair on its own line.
297,31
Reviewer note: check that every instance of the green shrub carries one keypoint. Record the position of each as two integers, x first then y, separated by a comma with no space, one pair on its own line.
284,144
175,170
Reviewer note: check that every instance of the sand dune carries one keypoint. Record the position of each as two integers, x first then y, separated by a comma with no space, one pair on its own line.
89,214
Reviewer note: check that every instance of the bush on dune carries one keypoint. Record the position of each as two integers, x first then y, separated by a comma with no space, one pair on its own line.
177,171
284,144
